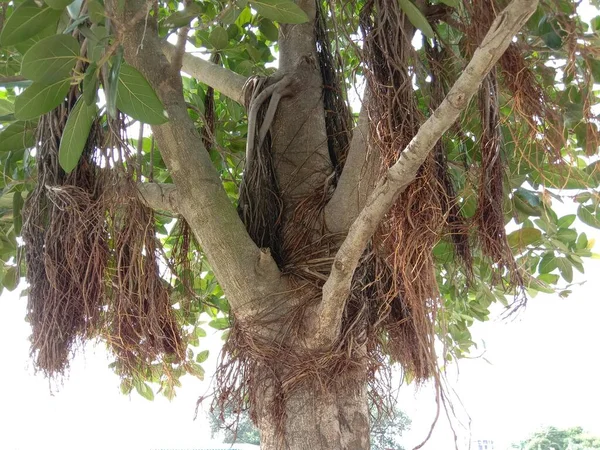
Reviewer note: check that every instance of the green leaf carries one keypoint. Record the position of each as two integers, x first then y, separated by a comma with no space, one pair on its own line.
183,17
417,18
567,235
548,263
200,332
582,242
51,59
595,23
565,268
589,215
269,30
452,3
144,390
6,107
136,98
58,4
522,238
222,323
218,38
27,21
40,98
11,278
202,356
96,11
282,11
90,84
539,285
112,90
17,136
75,134
566,221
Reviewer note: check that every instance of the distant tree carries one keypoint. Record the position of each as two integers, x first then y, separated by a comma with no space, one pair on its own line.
386,428
552,438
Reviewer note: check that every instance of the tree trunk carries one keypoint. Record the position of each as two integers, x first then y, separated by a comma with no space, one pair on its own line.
317,419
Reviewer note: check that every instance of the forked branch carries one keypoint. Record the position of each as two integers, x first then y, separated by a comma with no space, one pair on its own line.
404,171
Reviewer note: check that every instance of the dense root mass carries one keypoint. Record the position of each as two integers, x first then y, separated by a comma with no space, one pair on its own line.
92,259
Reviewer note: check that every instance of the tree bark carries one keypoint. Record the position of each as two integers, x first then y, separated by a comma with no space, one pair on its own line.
318,419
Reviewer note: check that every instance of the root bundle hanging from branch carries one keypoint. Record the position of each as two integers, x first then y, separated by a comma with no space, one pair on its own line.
92,258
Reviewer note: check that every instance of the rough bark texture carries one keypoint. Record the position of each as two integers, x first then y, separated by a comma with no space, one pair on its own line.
313,417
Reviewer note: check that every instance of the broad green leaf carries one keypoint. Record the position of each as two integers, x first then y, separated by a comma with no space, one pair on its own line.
452,3
567,235
23,46
566,221
539,285
40,98
549,278
58,4
221,323
136,98
202,356
282,11
183,17
565,268
417,18
595,23
11,278
522,238
51,59
589,215
26,21
90,84
17,136
548,263
6,107
269,30
144,390
96,11
75,134
200,332
218,38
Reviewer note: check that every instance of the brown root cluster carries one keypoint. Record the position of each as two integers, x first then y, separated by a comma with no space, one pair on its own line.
92,259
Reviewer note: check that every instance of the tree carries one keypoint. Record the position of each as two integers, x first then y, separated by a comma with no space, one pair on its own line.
551,438
386,427
330,244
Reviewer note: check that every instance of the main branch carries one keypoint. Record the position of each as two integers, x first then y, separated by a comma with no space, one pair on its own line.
246,274
404,171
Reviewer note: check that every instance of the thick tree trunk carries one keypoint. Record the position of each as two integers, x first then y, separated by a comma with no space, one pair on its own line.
317,419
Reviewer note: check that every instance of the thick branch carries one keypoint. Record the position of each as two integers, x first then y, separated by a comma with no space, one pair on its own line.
245,273
159,196
219,78
357,180
404,171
